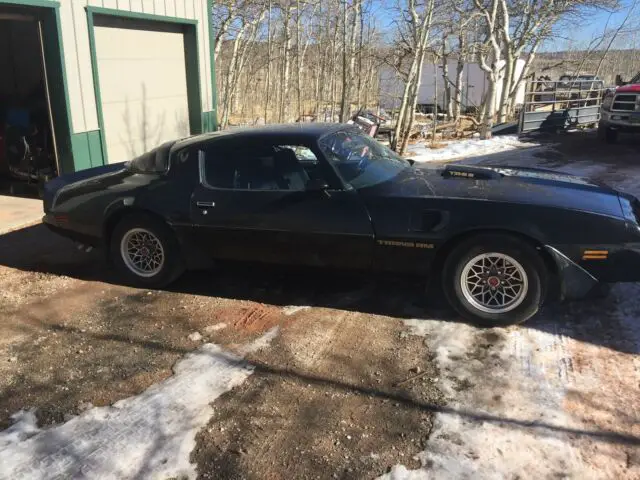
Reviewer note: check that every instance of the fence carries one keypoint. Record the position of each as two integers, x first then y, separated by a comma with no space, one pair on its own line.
560,105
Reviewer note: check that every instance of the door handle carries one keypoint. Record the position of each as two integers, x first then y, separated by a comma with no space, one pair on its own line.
206,204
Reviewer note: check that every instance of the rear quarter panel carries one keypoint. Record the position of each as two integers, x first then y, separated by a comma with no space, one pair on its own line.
90,204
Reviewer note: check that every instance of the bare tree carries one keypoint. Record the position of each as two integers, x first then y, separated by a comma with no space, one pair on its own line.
350,26
616,31
267,85
285,72
524,26
413,25
244,40
489,57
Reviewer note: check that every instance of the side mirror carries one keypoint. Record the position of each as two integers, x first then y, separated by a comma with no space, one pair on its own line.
317,185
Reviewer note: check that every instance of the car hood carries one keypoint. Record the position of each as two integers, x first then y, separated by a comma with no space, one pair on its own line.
504,184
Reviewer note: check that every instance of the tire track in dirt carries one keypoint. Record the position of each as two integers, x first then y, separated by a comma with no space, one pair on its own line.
322,404
306,356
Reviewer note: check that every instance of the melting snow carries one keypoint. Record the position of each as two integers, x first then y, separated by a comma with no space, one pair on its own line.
466,148
25,425
215,328
261,342
293,309
505,413
147,436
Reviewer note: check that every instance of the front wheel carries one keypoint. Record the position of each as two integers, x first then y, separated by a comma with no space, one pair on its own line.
145,251
494,280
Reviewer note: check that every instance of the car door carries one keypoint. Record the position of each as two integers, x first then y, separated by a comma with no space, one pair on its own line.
272,200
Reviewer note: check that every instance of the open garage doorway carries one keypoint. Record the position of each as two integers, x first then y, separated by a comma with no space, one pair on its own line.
28,148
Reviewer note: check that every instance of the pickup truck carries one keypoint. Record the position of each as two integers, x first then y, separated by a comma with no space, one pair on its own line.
620,112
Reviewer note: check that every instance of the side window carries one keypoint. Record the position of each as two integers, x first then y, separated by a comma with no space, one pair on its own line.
184,165
308,160
216,170
257,167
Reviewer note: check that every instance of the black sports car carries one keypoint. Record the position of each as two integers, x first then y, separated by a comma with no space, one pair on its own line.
328,195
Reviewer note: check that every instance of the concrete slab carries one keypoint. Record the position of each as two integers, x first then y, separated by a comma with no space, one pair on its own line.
17,213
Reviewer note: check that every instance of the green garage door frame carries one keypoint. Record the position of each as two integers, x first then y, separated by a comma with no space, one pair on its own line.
210,119
194,97
48,12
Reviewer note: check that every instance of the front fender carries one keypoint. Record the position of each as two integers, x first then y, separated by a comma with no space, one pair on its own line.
575,281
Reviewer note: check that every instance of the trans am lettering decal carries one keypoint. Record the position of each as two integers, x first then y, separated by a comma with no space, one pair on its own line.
395,243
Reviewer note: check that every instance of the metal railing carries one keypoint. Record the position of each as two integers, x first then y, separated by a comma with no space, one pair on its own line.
560,105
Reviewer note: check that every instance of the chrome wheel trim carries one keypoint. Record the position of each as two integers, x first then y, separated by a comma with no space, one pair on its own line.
494,283
142,252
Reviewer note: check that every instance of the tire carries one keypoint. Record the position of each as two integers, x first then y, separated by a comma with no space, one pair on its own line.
527,275
166,266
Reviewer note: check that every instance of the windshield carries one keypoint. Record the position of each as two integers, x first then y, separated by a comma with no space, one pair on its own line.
360,160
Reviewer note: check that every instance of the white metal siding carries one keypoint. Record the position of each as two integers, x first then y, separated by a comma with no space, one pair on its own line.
474,85
143,85
75,37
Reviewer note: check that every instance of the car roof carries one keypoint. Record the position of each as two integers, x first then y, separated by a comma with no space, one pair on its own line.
302,130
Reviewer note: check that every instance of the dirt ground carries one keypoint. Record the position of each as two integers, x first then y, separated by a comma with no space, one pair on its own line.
324,396
365,376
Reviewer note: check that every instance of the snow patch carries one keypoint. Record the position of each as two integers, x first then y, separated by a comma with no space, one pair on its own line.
147,436
195,337
466,148
215,328
260,343
400,472
293,309
505,406
25,425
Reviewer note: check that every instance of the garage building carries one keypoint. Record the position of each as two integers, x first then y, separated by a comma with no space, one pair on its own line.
84,83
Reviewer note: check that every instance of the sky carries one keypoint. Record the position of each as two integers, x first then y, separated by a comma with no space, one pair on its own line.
575,35
593,26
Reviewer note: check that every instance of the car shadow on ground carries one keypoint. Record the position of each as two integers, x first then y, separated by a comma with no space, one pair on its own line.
35,249
543,427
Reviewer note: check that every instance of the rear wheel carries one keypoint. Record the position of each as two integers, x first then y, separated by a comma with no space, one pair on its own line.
145,251
494,280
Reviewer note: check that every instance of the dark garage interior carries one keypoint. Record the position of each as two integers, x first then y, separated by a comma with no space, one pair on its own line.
27,144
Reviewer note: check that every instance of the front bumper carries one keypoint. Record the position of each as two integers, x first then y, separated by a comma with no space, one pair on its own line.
59,224
581,268
620,121
575,281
